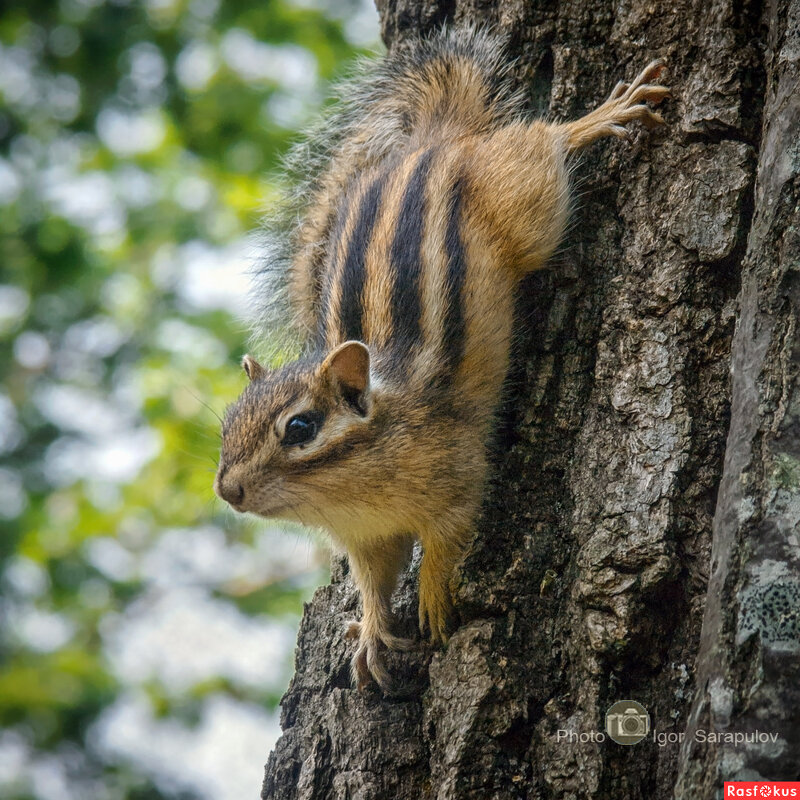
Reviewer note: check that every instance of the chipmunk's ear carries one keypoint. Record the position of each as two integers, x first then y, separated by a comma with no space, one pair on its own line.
252,368
348,367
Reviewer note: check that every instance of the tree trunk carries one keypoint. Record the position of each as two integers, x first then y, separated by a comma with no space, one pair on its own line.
748,665
587,580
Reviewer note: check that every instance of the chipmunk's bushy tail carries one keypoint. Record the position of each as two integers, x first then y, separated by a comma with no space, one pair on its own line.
454,82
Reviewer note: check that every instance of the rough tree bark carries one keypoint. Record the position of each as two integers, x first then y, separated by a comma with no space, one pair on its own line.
612,460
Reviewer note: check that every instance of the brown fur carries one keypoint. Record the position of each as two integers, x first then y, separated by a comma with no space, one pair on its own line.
416,238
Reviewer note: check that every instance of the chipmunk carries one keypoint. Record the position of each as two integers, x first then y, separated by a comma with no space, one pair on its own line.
433,198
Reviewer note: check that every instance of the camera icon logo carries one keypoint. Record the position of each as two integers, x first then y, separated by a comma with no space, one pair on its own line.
627,722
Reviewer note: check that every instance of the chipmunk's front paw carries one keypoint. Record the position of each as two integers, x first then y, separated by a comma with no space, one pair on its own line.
435,611
367,663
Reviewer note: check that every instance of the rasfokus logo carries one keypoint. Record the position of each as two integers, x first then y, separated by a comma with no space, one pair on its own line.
762,789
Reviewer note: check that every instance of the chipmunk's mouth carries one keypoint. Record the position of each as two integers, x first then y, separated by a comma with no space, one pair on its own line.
247,506
272,512
243,499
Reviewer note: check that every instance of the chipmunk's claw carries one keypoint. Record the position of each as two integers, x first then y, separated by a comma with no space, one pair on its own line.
367,663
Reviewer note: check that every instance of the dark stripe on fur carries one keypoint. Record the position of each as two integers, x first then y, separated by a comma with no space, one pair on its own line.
330,271
454,328
406,257
353,270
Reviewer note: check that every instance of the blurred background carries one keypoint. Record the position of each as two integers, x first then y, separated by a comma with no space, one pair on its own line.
146,633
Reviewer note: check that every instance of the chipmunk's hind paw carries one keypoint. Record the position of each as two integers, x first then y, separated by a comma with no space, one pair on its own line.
626,103
630,98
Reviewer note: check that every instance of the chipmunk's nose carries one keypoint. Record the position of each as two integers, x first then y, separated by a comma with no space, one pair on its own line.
230,490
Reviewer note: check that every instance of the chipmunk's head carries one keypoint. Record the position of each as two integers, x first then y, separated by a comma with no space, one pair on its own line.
287,441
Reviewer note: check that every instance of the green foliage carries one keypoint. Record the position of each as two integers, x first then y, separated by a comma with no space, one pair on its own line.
137,141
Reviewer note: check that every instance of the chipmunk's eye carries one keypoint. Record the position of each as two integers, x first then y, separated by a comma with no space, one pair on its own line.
302,428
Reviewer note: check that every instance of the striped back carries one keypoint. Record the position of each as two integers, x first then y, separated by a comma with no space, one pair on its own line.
395,270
